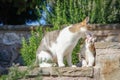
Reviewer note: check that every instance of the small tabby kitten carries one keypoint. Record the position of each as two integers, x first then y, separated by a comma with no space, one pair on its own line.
87,53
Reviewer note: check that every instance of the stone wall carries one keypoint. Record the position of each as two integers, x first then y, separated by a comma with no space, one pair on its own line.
108,60
106,33
10,44
107,66
107,50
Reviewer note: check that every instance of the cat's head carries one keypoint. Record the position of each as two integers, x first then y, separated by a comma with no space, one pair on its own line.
80,27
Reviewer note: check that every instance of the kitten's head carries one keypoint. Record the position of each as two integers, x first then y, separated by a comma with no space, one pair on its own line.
80,27
90,40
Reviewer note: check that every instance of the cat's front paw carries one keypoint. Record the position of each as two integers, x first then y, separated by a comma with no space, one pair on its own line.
61,65
74,66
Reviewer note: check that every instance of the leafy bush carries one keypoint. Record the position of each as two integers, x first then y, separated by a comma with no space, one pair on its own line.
73,11
29,47
16,74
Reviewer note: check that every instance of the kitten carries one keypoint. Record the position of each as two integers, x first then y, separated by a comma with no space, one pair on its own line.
87,54
58,45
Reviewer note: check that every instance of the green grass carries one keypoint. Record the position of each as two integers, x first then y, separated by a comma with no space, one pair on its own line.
16,74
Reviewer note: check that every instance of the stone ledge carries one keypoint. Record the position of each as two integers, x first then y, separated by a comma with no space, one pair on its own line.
29,28
20,27
105,26
68,71
61,71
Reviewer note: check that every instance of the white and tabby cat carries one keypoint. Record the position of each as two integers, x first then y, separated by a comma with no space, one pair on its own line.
58,45
87,53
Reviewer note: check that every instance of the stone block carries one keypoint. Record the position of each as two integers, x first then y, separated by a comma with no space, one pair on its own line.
11,38
108,59
68,71
62,73
107,45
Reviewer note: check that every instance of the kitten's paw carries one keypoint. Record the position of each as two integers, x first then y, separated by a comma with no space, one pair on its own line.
74,66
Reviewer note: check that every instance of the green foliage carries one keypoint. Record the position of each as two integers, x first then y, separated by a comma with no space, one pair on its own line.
73,11
14,74
75,57
29,47
19,11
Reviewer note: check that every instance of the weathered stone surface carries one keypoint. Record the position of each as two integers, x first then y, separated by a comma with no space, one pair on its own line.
59,78
67,78
3,70
10,44
68,71
105,26
61,71
106,32
8,55
11,38
107,45
107,35
108,59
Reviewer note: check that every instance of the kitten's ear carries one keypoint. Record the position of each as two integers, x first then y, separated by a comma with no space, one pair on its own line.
85,21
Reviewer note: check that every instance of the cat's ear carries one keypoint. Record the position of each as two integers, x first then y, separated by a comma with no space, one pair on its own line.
85,21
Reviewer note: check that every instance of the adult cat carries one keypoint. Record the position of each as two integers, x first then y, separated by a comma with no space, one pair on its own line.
59,44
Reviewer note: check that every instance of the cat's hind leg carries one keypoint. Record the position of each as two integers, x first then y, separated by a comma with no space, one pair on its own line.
45,59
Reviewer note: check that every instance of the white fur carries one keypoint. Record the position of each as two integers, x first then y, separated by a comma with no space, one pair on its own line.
84,63
83,29
90,58
63,47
